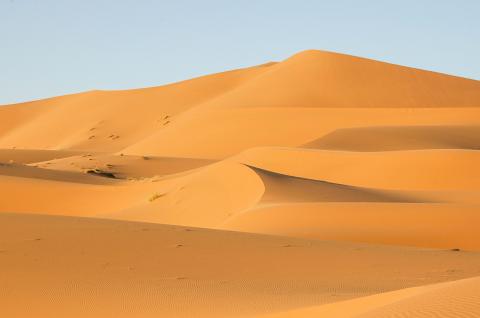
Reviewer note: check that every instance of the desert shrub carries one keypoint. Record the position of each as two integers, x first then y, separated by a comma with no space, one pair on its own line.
156,196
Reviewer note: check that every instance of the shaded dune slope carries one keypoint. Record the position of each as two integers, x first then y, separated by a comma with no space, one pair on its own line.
26,156
124,166
281,188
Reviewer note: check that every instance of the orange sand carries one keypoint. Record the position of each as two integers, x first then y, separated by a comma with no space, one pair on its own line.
352,186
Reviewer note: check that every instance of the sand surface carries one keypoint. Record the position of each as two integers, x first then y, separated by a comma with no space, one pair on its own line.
325,185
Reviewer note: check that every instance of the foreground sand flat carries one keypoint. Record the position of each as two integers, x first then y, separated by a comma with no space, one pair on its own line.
78,267
325,185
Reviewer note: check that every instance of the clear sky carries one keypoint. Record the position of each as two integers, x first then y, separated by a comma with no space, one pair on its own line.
54,47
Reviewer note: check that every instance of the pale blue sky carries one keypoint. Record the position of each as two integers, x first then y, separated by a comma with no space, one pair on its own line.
54,47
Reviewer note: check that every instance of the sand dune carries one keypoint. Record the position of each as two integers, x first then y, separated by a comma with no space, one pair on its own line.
324,185
400,138
325,79
109,120
436,169
415,224
204,198
197,118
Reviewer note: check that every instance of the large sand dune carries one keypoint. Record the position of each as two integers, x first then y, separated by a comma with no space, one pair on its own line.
325,185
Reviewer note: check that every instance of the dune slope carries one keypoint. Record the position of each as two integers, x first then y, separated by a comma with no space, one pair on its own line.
399,138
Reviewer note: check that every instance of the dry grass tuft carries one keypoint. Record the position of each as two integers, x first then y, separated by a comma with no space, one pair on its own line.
156,196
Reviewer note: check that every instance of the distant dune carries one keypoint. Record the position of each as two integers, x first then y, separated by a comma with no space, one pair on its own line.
324,185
